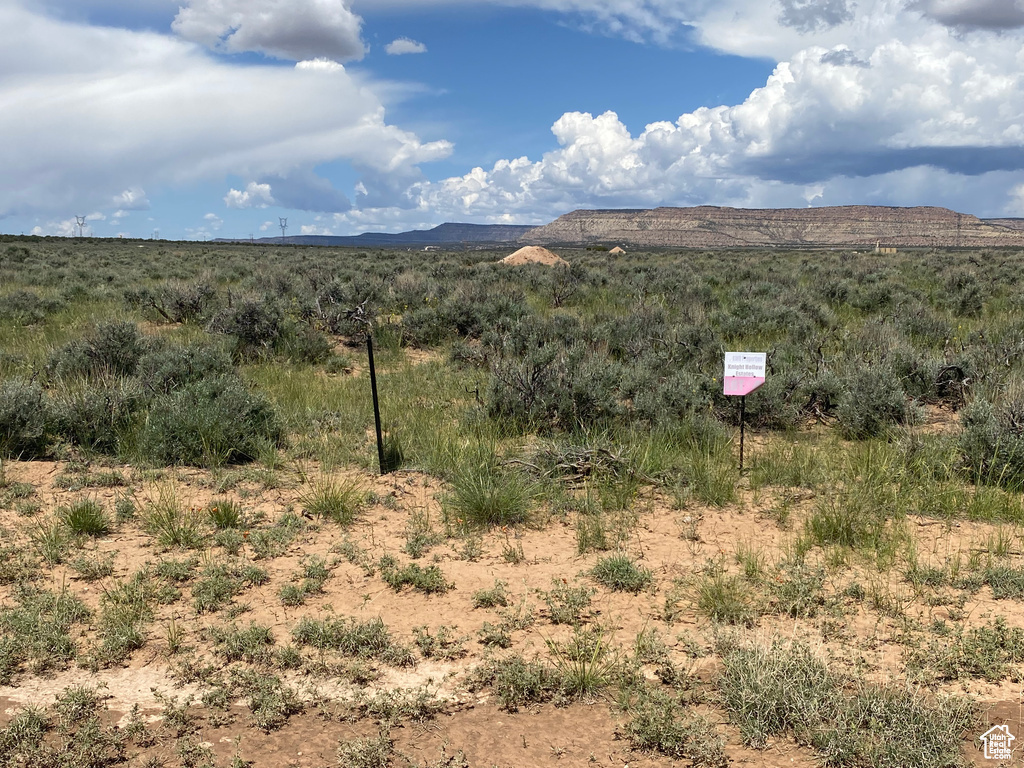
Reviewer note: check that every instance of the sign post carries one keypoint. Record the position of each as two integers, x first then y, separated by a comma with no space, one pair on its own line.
744,373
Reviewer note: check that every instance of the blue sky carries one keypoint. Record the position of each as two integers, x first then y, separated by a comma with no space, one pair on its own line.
197,119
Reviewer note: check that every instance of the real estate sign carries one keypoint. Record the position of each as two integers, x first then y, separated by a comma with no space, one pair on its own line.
744,372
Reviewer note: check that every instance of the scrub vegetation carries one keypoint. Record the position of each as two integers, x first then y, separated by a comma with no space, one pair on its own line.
189,484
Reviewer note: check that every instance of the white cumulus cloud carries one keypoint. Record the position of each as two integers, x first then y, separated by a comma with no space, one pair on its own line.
404,45
253,196
285,29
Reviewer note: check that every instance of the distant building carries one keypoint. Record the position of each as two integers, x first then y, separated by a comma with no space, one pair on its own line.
887,250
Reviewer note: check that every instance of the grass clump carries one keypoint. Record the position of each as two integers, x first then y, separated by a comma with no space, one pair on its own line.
658,722
85,517
991,652
429,580
37,630
725,598
349,637
51,540
568,604
785,689
253,645
621,573
584,663
495,597
334,499
173,526
225,513
484,494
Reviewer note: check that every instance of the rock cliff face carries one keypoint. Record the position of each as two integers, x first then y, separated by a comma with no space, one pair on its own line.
712,227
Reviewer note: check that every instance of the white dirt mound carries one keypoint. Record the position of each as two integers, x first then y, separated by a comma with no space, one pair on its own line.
534,254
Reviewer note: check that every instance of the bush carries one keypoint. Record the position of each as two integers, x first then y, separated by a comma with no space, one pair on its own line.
112,349
873,401
26,308
97,415
23,419
166,367
256,326
208,423
991,444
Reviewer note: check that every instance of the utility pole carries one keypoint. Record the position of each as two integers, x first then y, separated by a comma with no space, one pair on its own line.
284,225
80,220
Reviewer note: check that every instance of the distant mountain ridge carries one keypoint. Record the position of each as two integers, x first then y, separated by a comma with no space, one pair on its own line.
450,233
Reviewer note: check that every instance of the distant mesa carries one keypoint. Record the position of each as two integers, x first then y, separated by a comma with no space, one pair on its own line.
711,227
534,254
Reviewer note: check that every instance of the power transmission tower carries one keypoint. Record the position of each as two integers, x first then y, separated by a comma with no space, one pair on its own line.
80,220
284,225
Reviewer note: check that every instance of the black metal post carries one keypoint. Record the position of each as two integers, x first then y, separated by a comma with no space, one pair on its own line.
743,412
376,405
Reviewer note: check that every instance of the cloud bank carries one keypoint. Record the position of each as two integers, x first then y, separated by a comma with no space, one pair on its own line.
285,29
94,119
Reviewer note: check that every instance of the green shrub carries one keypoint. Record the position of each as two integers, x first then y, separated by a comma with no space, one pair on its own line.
97,415
492,598
256,325
111,349
27,308
518,682
208,423
253,644
165,367
38,627
770,690
992,441
24,419
369,639
873,401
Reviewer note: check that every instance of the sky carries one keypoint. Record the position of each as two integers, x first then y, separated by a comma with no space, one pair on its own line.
199,119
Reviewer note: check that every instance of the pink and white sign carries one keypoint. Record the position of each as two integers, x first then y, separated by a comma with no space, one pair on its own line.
744,372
